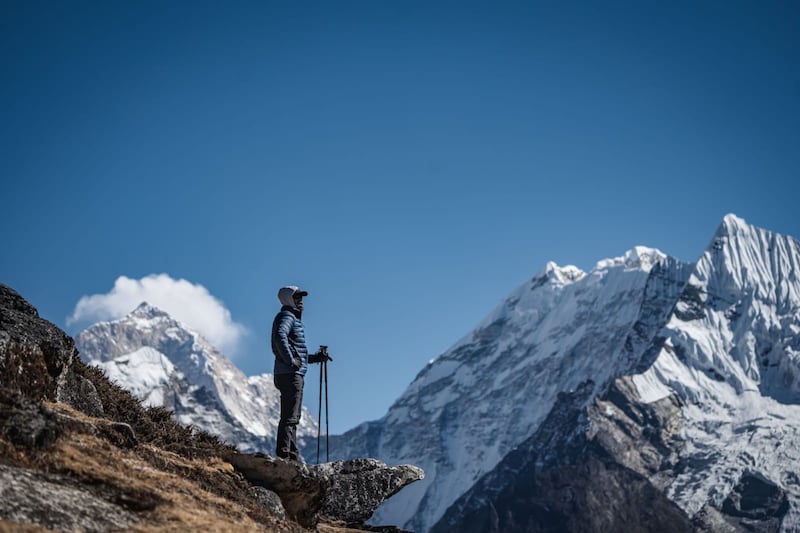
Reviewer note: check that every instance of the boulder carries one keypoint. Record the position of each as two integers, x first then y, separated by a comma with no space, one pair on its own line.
270,501
358,486
301,490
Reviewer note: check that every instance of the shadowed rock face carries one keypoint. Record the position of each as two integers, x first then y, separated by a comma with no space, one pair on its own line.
601,466
756,498
585,470
754,504
36,357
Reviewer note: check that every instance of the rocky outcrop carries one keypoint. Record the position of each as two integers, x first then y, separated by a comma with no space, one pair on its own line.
358,486
52,501
348,491
37,358
755,504
300,489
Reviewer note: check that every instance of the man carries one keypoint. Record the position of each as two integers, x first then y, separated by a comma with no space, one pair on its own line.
291,363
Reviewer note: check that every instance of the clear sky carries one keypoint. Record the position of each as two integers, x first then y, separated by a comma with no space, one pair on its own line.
408,163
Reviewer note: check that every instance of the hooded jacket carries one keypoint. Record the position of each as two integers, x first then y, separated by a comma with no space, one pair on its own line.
288,338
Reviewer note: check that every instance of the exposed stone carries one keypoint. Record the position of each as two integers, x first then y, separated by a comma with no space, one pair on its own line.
359,486
36,357
271,501
25,423
301,490
639,436
80,393
756,504
28,497
710,520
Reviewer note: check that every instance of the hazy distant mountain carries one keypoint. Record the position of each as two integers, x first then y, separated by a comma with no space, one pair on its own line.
680,382
164,363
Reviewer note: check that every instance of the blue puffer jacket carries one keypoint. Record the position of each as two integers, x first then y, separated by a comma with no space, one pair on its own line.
289,342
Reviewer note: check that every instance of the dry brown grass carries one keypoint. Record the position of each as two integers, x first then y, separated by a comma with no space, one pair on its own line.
153,425
13,527
167,491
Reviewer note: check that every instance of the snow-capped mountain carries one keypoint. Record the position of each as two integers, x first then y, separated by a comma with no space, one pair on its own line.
708,349
467,409
731,352
164,363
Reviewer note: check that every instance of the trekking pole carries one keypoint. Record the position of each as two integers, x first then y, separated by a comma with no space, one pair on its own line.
319,416
327,418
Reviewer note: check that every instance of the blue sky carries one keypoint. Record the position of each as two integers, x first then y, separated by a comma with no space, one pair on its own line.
409,163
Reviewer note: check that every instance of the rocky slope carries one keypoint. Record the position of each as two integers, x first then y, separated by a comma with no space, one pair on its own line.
677,379
166,364
80,453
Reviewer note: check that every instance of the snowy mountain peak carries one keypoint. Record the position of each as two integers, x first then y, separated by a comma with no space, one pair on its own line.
146,310
637,258
743,258
643,257
562,275
731,223
488,392
731,352
149,317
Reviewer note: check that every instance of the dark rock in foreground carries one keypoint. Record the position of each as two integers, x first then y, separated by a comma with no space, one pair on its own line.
37,358
52,501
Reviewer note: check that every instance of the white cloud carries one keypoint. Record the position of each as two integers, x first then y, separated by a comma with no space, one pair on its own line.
189,303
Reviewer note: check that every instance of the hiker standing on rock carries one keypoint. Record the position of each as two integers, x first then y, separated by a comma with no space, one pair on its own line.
291,363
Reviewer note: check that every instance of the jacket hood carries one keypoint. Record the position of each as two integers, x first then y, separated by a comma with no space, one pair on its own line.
285,295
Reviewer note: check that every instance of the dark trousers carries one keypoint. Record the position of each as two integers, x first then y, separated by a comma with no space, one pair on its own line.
291,388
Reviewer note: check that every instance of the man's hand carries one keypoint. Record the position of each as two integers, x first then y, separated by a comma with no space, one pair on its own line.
319,357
